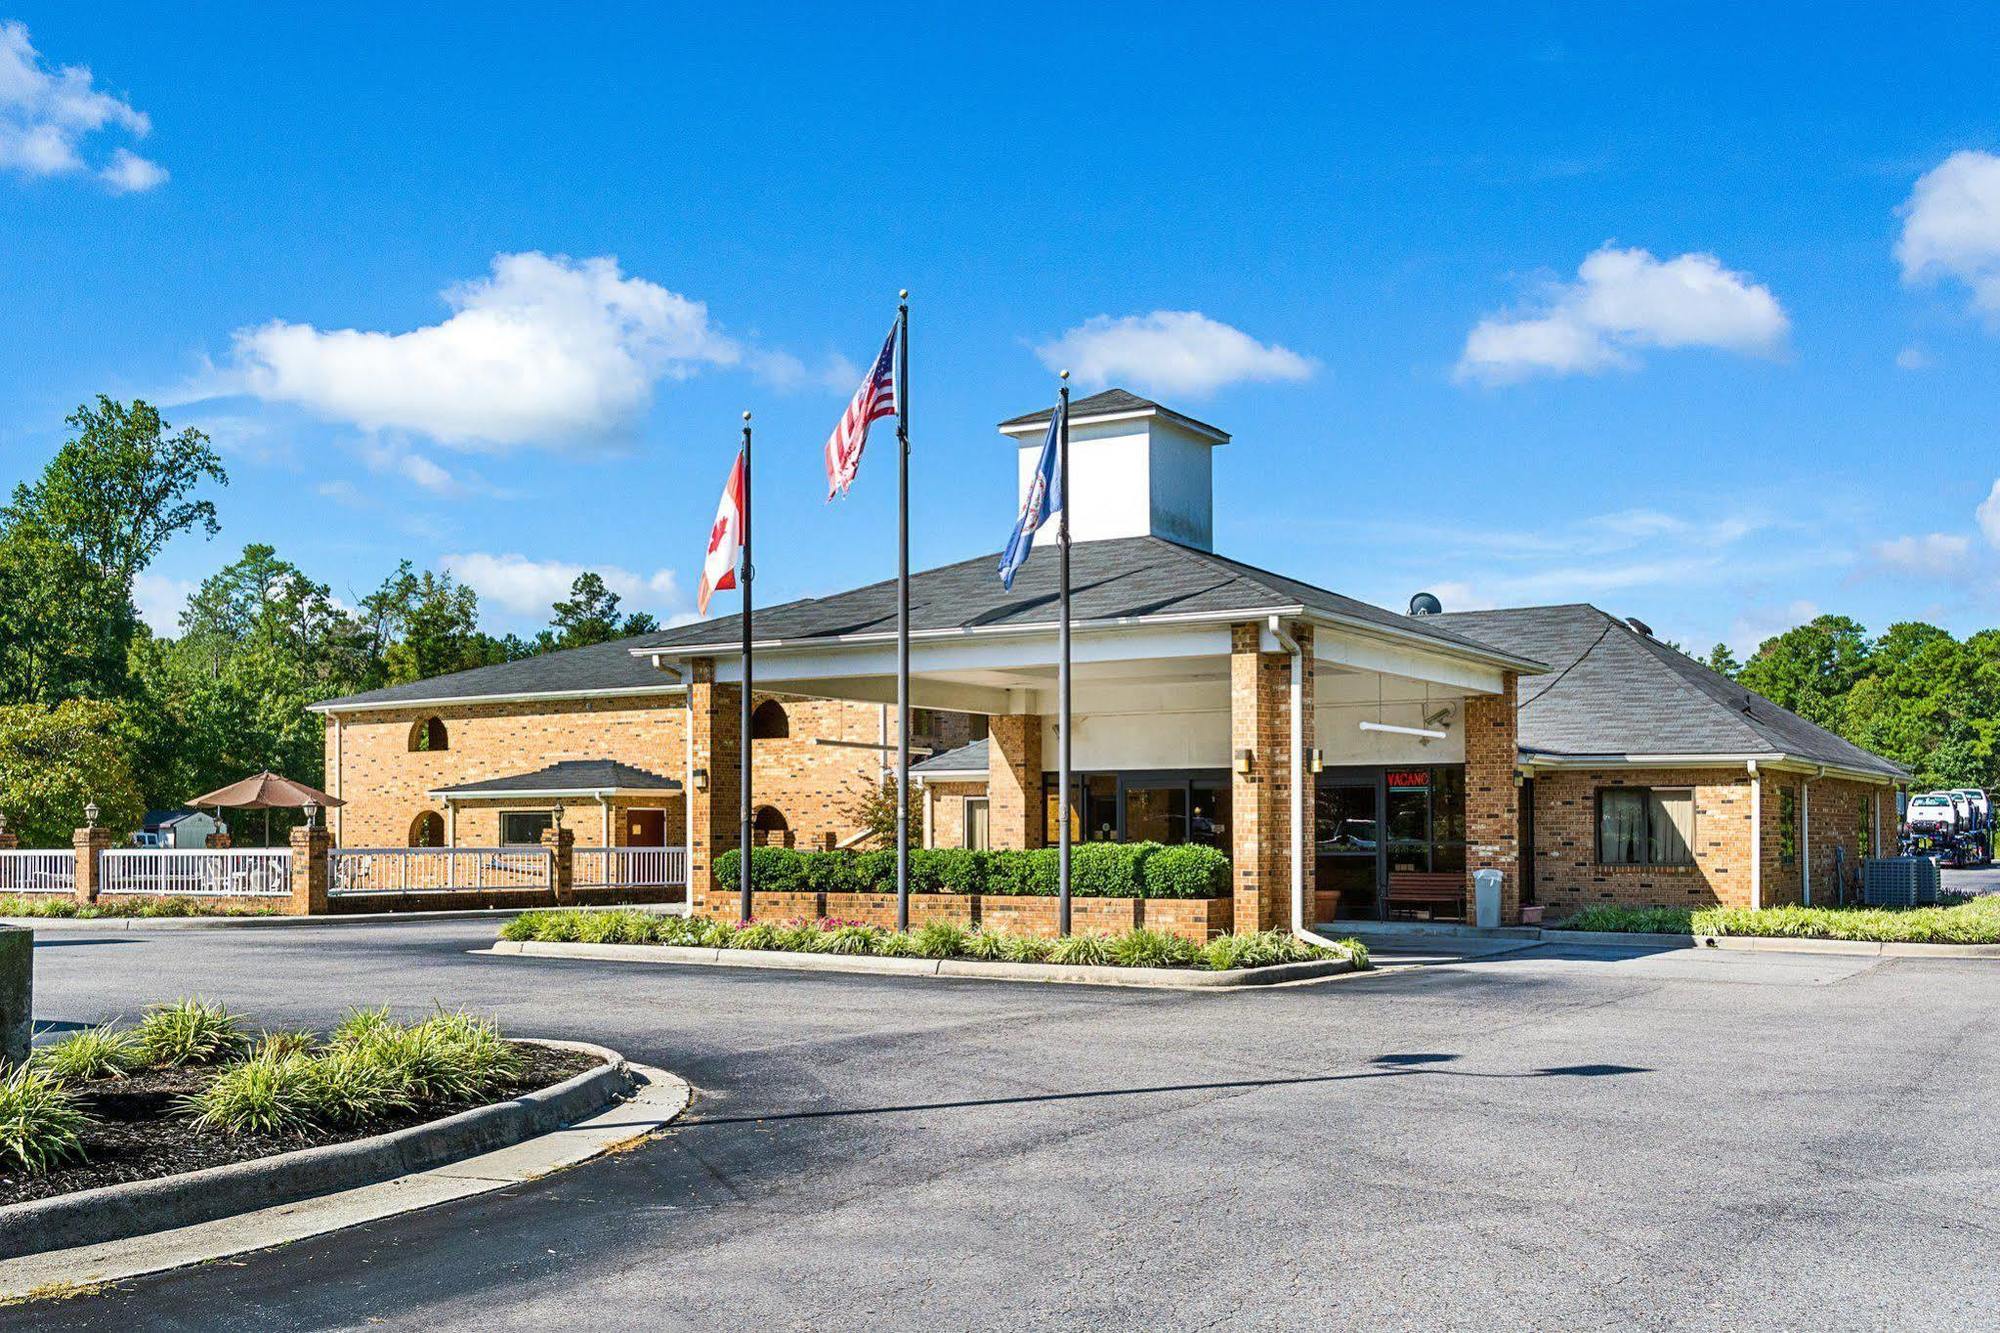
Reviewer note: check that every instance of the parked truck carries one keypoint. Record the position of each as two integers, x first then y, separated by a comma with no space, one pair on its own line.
1952,827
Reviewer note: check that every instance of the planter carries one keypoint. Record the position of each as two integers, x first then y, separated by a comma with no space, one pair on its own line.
1197,919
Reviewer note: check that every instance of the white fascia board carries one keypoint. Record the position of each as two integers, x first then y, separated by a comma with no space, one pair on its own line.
1360,653
533,696
1424,643
586,793
1205,431
1769,760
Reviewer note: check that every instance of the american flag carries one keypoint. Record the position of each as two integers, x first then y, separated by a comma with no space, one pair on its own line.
875,399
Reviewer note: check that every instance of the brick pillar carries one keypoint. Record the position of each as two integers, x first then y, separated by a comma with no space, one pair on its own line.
1260,688
309,871
716,724
90,844
561,845
217,842
9,842
1014,816
1492,799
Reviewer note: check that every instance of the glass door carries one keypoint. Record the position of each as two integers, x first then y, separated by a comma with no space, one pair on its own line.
1347,822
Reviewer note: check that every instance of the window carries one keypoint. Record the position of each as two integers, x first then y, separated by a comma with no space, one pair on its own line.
427,830
1163,807
770,722
975,834
1156,813
1788,826
523,827
429,735
1645,826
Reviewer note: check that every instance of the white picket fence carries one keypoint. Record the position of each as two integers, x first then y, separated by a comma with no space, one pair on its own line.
358,871
249,872
631,867
37,871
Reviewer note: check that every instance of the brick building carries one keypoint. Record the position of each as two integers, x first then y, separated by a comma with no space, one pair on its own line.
1353,761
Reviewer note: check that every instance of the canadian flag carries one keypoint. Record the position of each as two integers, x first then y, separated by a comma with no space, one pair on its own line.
725,539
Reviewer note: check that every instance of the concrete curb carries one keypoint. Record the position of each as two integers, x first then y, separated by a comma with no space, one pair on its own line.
59,923
117,1212
956,968
659,1099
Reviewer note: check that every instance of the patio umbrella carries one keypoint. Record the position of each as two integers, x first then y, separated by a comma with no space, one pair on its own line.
267,791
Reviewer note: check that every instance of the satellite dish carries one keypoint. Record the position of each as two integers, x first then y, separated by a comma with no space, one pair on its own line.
1423,604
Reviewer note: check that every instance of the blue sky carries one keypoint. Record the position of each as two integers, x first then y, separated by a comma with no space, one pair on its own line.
1694,313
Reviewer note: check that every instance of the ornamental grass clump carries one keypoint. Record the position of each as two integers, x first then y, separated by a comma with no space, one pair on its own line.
849,938
353,1087
940,939
986,945
267,1094
96,1053
41,1126
190,1031
1080,951
1151,948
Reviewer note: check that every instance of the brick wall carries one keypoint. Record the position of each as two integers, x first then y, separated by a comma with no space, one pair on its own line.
1014,781
1260,687
1567,876
1492,799
946,803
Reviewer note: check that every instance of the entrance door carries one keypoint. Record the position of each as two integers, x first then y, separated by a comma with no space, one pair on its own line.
1347,822
645,828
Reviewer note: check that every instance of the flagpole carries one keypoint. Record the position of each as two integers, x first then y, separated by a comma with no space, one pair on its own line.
1062,672
903,610
747,574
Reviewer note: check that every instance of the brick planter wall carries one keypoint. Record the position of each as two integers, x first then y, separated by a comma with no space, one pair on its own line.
1197,919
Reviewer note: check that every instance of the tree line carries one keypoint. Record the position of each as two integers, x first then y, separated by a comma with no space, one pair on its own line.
96,707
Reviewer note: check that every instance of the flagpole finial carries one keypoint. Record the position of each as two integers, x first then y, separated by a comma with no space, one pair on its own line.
903,295
1063,373
746,416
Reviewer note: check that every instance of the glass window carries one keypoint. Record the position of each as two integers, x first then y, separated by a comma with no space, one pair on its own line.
1788,826
1344,819
1409,815
1093,809
518,827
1645,826
1156,814
1208,817
1448,803
975,832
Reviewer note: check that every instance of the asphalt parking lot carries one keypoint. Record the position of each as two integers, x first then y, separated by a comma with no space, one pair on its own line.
1541,1136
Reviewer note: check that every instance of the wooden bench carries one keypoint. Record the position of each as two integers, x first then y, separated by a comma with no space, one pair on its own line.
1438,893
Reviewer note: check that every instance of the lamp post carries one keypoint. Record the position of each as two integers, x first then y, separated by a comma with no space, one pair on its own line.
90,813
311,810
557,815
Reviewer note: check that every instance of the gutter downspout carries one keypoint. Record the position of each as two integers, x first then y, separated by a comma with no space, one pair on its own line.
339,750
1297,821
1756,837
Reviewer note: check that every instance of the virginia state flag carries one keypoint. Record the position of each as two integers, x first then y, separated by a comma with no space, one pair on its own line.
1045,496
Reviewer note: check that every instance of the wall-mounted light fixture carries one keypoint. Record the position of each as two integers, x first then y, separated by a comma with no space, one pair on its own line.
1243,761
701,779
1318,759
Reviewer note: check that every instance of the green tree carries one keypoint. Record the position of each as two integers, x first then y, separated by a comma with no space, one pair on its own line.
1722,661
64,626
875,811
54,761
427,625
1929,702
123,488
1810,669
590,615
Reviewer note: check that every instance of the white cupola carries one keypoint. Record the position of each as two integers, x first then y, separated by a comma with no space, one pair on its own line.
1136,469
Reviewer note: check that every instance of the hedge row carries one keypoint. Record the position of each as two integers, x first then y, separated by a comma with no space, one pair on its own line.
1097,870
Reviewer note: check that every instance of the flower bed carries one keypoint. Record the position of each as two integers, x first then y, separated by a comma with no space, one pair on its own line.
63,905
1976,921
190,1087
937,939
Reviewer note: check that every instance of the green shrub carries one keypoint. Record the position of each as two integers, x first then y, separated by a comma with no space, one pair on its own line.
272,1044
40,1123
1025,948
832,872
849,939
762,935
1357,953
798,937
449,1057
1151,948
940,939
1643,920
1030,873
265,1095
948,870
896,944
527,926
359,1025
1110,869
772,869
986,945
728,866
352,1087
1080,951
190,1031
1259,949
874,872
1187,871
99,1052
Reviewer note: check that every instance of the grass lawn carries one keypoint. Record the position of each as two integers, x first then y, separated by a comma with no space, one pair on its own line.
1975,921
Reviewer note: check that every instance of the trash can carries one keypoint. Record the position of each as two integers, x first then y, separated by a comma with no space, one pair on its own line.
17,973
1486,899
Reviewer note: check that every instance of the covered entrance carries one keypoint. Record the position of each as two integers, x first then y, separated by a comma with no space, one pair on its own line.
1390,843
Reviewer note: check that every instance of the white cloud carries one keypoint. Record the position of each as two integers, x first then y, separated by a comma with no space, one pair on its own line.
1988,514
1951,227
1623,301
1169,351
45,115
397,461
1912,358
1934,553
525,587
160,600
547,350
128,173
1759,623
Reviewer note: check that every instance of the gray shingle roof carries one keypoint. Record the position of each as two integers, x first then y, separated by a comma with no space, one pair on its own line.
600,667
571,775
969,758
1612,690
1105,404
1119,579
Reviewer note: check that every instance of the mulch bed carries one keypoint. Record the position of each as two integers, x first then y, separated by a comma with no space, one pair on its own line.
140,1135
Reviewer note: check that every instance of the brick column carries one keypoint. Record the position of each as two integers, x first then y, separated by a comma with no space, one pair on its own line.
1014,817
1492,800
716,724
9,842
1260,687
561,845
309,871
90,843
